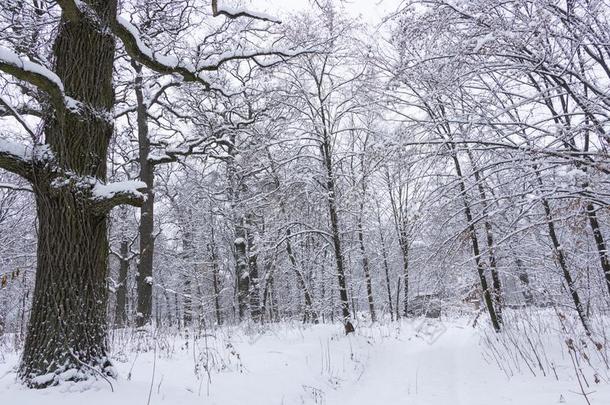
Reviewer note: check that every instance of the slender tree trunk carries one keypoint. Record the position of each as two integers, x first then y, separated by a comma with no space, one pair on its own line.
561,260
254,287
367,272
386,268
215,278
144,277
491,248
476,251
309,313
404,247
241,270
599,243
334,222
120,316
187,276
525,282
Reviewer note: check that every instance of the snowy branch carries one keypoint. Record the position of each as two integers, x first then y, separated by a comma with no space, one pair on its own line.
33,73
14,187
232,12
15,158
136,48
107,196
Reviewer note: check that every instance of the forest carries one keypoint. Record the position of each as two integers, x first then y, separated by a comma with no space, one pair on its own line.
305,202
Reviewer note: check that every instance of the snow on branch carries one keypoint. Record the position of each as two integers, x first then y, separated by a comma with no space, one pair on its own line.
19,158
14,187
234,12
18,117
225,57
106,196
47,81
137,49
33,73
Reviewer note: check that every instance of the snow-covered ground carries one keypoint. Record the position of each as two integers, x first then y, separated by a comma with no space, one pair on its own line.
288,364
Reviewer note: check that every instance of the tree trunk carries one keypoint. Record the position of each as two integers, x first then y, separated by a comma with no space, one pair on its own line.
334,222
491,248
561,260
254,287
120,315
241,270
367,272
386,268
487,296
144,277
215,278
599,243
67,327
404,248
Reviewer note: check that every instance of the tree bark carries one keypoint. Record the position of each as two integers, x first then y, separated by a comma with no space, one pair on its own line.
144,277
336,238
367,272
386,267
67,327
120,315
215,277
491,248
599,243
476,251
561,260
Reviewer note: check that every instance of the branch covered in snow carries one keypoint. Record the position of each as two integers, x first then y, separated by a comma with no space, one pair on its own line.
15,158
33,73
233,12
107,196
138,50
14,187
12,111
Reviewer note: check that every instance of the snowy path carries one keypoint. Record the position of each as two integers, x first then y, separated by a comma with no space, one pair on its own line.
315,366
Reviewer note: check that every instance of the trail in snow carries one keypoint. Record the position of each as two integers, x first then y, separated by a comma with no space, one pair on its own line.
385,364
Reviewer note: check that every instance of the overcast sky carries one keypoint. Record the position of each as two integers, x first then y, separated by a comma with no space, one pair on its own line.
371,10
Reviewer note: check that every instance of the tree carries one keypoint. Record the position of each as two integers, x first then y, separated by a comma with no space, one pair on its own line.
67,169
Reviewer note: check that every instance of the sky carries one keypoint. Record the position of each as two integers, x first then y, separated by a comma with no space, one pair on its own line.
371,10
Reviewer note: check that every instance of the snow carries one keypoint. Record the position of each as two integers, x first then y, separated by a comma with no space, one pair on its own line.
111,189
388,363
15,149
239,11
167,60
481,42
11,58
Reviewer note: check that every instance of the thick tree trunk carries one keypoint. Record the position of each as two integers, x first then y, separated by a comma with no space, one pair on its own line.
67,327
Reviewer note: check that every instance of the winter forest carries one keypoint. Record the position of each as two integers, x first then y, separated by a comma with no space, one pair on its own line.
317,202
